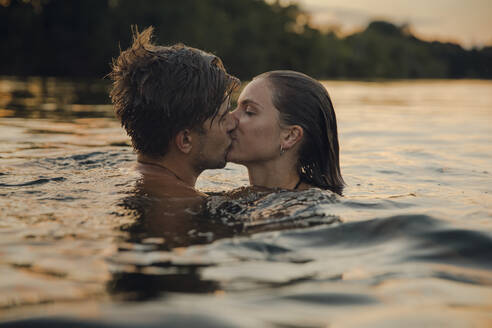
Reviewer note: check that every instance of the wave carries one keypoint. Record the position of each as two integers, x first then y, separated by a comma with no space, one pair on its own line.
33,182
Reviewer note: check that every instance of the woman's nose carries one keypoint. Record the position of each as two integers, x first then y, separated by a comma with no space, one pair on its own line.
237,114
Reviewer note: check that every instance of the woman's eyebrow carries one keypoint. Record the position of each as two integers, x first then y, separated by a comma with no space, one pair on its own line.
250,102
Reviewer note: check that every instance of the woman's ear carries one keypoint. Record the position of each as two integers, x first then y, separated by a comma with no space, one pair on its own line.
183,141
293,134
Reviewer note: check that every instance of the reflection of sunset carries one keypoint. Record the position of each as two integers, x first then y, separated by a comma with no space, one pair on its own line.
6,112
406,147
465,22
41,97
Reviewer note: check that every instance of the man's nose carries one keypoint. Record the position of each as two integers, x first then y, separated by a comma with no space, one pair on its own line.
232,121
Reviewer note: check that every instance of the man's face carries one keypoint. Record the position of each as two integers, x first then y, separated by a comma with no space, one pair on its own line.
212,146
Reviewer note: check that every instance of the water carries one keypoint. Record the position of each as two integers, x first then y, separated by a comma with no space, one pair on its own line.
409,244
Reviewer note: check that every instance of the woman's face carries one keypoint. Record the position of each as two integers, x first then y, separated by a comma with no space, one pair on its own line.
256,138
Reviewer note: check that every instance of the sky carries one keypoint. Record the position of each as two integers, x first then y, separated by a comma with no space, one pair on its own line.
467,22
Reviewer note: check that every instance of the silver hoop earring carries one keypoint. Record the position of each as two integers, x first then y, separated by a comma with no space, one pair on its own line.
282,150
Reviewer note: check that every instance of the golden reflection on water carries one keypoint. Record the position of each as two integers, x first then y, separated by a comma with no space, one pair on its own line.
40,95
407,147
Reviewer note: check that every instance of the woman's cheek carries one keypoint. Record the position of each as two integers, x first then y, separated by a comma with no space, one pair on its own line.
262,131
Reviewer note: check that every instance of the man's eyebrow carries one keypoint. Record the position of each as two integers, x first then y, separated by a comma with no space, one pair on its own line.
224,114
226,111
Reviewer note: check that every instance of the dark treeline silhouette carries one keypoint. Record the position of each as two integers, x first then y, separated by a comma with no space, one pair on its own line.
79,38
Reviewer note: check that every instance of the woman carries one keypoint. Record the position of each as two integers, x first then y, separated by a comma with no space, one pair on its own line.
287,133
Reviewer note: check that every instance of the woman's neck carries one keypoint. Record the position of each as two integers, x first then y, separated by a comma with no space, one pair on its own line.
273,174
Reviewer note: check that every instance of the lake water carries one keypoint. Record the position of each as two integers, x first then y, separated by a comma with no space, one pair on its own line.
408,245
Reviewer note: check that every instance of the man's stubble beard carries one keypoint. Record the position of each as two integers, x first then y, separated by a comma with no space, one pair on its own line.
202,163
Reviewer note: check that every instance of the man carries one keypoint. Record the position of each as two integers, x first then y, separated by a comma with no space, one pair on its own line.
173,103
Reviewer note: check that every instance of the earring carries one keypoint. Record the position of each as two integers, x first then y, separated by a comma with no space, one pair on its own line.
282,150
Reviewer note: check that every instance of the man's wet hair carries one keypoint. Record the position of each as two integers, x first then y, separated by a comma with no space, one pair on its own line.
160,90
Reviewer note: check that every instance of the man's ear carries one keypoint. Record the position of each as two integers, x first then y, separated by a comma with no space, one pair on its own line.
183,141
292,135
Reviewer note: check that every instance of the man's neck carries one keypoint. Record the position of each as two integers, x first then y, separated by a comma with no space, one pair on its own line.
170,165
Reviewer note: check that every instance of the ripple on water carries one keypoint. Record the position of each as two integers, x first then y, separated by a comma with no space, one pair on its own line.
409,242
33,182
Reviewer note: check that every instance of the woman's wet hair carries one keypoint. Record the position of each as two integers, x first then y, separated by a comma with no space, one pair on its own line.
159,91
303,101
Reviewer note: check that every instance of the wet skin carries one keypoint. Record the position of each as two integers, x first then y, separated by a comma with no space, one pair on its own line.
257,135
213,146
175,203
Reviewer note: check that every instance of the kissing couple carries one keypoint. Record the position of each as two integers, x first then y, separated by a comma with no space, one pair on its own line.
175,104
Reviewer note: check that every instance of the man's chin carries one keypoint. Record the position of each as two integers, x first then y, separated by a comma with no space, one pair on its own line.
232,159
228,153
223,163
229,157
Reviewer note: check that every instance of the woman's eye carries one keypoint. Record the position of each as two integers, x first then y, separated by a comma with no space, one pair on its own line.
248,111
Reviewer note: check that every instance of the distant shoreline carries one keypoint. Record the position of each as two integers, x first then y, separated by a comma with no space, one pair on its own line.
81,38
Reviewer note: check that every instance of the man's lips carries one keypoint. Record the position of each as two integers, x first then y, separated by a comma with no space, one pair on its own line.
233,136
227,151
231,145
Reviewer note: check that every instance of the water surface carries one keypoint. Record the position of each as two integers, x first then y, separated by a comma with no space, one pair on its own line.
409,244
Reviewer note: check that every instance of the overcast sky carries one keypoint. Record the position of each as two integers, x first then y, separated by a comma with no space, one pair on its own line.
468,22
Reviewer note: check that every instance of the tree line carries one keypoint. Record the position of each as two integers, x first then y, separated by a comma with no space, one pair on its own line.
78,38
